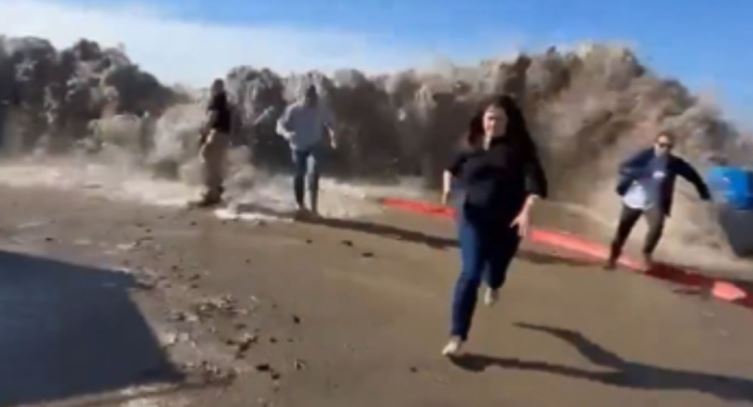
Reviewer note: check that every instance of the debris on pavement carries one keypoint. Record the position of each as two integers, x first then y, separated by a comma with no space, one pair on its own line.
207,372
225,305
183,316
242,344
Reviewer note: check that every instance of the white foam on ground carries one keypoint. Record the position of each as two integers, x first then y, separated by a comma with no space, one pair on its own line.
231,214
267,198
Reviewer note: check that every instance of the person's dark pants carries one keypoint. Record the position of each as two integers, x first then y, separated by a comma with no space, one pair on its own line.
486,250
306,164
654,217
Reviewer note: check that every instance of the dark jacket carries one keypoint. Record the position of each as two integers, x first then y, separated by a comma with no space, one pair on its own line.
219,105
636,167
497,181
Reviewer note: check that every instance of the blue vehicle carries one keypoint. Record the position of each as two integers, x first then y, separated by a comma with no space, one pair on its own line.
732,188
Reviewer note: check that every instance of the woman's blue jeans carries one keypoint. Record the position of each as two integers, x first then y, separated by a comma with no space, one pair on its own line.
486,249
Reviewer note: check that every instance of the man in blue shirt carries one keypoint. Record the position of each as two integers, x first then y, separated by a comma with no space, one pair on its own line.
647,187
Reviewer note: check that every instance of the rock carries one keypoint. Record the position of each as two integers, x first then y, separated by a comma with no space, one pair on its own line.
272,340
413,369
182,316
367,255
299,364
145,284
245,341
296,319
176,316
224,305
264,367
347,243
212,373
169,339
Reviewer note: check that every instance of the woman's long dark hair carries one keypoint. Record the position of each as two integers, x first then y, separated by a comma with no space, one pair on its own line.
474,136
517,129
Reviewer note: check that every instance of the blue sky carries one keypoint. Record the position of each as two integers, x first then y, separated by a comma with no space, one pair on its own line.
707,45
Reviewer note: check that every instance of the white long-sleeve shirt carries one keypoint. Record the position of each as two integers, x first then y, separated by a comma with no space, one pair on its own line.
303,125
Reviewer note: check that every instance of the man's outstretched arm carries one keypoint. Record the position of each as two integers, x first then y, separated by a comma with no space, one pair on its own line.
283,127
691,175
329,124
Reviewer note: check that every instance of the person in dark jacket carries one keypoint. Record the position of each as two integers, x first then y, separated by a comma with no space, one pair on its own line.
500,178
213,144
647,182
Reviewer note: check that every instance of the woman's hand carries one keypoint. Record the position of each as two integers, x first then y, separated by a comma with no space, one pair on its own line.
445,197
523,220
446,187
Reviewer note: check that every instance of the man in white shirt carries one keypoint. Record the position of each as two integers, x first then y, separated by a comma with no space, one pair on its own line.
303,125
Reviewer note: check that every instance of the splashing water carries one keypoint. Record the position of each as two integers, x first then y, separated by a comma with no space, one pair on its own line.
115,177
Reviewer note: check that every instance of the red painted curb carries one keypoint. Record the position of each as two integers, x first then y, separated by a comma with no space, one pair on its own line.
720,289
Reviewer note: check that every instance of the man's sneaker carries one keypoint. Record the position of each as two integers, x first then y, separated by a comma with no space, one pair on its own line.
610,265
453,347
490,297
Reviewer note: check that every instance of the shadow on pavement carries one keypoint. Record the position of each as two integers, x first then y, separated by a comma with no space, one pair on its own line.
394,232
69,331
617,372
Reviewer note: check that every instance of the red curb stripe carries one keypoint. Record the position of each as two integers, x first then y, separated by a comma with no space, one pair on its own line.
720,289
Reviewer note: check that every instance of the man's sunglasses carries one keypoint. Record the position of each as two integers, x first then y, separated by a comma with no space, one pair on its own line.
666,146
